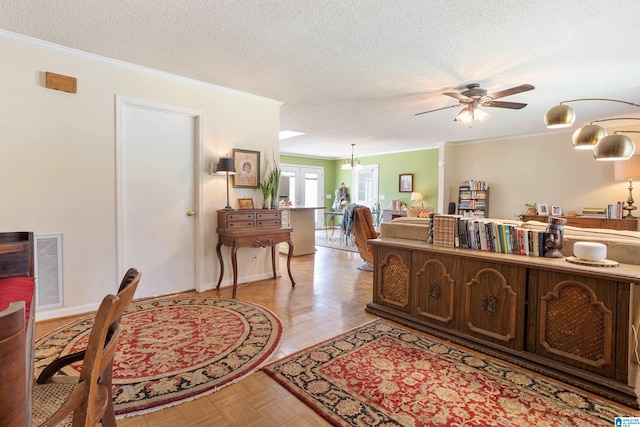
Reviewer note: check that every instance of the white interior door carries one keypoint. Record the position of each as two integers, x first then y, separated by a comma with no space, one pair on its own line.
157,203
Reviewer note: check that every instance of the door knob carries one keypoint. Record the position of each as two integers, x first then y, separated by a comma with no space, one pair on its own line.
191,212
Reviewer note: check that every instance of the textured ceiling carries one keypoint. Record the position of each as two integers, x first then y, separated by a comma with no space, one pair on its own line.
357,71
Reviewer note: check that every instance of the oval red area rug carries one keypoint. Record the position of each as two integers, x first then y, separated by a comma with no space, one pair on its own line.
172,350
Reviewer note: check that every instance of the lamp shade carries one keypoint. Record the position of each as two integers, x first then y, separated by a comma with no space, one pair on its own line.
416,195
624,170
560,116
226,165
614,147
586,137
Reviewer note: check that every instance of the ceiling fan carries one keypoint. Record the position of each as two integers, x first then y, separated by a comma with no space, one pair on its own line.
475,97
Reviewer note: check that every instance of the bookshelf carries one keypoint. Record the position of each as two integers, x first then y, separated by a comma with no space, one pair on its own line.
473,199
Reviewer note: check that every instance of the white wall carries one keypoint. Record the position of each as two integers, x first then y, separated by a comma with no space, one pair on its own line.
535,169
57,154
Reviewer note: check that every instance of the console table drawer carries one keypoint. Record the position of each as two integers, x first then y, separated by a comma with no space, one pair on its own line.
272,215
234,217
240,224
269,223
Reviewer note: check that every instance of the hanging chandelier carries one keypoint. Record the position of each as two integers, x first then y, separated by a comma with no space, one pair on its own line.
350,164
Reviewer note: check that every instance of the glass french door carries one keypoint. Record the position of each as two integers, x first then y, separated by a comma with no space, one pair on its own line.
303,186
365,185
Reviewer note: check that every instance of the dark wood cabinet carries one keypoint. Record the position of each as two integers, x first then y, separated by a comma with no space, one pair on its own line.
588,222
566,321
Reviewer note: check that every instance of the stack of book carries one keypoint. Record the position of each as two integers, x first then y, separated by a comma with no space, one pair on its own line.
615,211
485,235
594,212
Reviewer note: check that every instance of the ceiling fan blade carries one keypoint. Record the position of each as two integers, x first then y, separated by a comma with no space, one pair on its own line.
458,96
512,91
502,104
437,109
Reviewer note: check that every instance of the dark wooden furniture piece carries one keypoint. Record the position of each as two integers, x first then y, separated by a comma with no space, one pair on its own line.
559,319
89,397
17,291
390,214
252,228
13,373
588,222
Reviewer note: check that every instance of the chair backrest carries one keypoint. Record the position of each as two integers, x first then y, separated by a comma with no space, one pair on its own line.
101,348
364,230
13,375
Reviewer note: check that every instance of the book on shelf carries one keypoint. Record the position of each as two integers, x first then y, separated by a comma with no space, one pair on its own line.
486,235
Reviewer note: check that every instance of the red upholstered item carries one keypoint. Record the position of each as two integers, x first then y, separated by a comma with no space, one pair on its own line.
17,289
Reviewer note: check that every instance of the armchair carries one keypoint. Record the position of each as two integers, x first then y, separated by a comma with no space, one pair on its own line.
364,230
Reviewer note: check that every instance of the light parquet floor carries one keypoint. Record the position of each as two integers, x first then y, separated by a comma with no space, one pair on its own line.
329,298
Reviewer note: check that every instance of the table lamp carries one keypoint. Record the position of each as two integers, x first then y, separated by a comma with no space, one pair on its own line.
226,166
628,170
417,196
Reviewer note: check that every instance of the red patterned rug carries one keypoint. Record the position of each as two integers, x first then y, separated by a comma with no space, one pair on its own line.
380,375
172,350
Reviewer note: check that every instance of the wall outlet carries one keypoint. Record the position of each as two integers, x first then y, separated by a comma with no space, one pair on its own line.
329,196
381,197
254,255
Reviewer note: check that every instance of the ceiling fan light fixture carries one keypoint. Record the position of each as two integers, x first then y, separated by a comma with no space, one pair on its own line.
614,147
586,137
465,116
471,113
560,116
480,115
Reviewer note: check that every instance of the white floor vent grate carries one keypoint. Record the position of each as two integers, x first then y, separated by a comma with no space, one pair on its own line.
48,269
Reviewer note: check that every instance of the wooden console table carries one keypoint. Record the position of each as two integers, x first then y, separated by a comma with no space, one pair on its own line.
588,222
563,320
252,228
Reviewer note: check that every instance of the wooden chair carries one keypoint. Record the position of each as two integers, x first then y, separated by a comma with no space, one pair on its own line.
13,375
364,230
89,397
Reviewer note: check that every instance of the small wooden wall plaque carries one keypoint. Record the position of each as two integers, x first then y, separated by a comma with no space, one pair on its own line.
60,82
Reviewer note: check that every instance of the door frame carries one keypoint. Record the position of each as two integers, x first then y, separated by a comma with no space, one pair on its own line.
122,102
374,169
299,170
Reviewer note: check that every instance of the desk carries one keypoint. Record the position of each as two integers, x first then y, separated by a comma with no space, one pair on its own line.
251,228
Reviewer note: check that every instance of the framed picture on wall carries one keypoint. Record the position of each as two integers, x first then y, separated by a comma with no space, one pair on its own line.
247,164
406,183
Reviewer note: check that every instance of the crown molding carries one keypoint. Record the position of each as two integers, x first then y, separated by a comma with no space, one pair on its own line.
31,41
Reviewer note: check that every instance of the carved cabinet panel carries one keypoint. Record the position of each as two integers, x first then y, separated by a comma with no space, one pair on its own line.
436,293
494,298
393,278
576,319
